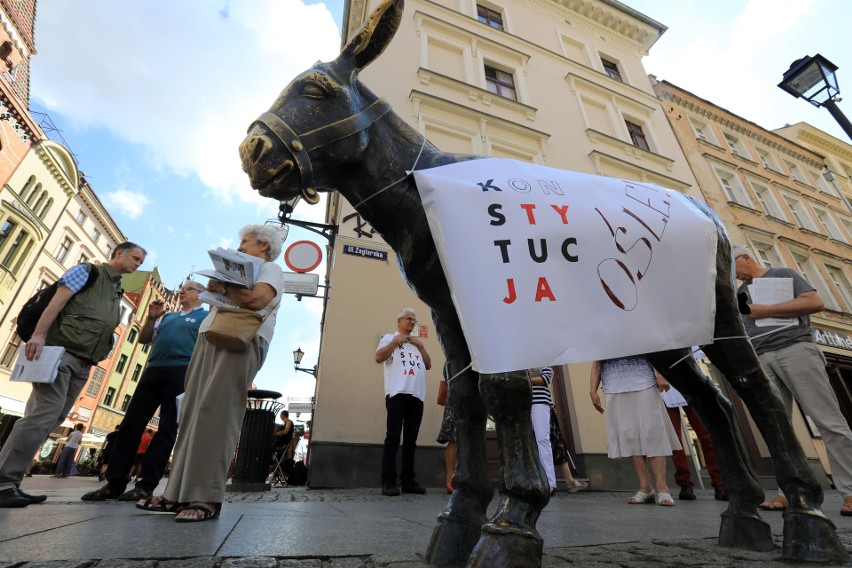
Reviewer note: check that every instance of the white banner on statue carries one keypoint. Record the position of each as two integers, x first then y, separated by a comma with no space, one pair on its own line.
549,267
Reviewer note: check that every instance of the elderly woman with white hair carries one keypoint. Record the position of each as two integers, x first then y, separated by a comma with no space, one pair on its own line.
216,384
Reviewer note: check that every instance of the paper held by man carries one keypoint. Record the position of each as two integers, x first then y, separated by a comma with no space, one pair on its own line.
233,267
548,266
41,370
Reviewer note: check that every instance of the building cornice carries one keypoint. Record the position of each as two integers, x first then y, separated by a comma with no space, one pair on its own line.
49,160
730,121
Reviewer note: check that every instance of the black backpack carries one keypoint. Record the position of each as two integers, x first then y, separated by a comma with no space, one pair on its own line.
35,306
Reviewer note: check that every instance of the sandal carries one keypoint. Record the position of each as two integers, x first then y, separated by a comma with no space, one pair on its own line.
779,503
206,513
641,498
576,485
846,508
665,500
160,504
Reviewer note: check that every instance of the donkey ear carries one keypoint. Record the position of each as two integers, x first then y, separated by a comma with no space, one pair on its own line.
374,36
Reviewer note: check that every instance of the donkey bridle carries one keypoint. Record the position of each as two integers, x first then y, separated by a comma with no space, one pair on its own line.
300,146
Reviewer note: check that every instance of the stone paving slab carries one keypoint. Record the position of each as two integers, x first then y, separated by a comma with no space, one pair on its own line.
300,528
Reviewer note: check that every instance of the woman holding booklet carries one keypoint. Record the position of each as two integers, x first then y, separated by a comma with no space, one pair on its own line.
217,379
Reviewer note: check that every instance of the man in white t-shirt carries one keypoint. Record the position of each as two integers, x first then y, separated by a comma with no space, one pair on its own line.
405,364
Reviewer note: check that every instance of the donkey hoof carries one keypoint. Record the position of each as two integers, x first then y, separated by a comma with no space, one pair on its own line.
452,540
746,533
507,547
811,537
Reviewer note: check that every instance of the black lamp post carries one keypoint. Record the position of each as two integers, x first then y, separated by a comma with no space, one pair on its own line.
813,79
297,358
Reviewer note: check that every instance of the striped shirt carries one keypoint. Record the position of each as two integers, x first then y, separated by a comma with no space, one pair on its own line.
541,393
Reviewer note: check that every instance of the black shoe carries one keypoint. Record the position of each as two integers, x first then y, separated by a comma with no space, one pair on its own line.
33,499
105,493
686,493
136,494
9,499
720,493
389,489
411,486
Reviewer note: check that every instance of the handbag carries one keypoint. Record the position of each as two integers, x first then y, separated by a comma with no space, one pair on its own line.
442,392
233,329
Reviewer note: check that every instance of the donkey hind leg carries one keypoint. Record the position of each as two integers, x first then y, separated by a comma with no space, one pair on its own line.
510,539
461,521
808,534
741,525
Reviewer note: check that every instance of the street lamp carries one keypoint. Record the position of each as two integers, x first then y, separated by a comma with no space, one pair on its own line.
285,212
813,79
297,358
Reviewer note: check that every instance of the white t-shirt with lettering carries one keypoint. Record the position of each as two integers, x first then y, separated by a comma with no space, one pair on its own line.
405,371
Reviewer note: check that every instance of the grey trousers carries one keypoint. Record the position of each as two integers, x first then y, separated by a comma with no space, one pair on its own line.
211,417
798,371
46,409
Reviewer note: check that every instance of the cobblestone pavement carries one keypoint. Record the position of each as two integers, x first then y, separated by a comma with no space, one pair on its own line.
607,532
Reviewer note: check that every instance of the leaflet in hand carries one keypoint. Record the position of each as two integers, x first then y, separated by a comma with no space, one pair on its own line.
219,300
771,291
42,370
233,267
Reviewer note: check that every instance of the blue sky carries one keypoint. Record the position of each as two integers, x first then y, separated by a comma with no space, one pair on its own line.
154,97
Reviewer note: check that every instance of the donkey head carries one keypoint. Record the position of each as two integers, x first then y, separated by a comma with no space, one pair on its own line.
318,123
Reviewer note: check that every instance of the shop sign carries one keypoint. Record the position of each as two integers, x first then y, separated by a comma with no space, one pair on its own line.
299,407
832,339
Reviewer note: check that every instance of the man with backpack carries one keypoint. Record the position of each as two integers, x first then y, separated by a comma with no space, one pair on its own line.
81,317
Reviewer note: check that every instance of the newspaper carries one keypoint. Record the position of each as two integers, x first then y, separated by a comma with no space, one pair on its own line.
771,291
41,370
233,267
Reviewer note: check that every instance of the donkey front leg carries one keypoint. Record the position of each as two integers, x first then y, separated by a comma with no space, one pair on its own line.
460,523
741,525
510,539
808,534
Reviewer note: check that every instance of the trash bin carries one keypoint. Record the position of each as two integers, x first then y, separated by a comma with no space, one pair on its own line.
251,466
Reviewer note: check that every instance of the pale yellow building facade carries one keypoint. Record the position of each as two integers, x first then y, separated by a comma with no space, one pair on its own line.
770,189
558,84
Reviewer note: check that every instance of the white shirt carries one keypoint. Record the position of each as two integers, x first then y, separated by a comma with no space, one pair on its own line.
74,439
405,371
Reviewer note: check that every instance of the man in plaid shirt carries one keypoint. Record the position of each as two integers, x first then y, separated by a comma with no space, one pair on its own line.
83,322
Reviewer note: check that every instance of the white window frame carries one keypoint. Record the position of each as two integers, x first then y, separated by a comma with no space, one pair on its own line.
767,159
822,184
646,132
841,284
733,191
767,254
502,67
736,146
81,217
766,199
619,68
799,212
809,272
826,221
61,252
796,172
702,131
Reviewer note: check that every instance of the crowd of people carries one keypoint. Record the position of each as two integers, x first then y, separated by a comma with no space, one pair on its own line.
190,358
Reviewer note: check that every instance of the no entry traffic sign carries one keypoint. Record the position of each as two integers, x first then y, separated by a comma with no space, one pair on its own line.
303,256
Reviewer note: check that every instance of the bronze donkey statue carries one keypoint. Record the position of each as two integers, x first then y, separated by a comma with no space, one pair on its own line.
327,130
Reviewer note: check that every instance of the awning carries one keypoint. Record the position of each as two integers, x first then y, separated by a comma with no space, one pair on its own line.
88,441
11,406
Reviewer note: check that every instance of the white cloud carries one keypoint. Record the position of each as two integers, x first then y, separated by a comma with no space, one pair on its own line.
182,79
131,203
